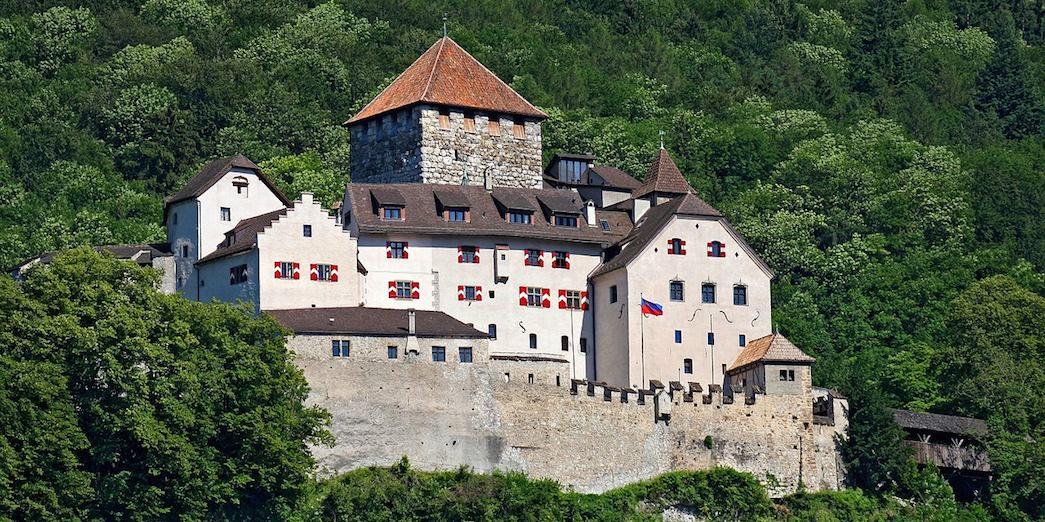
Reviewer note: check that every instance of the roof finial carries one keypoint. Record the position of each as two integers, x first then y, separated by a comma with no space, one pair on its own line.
444,25
661,133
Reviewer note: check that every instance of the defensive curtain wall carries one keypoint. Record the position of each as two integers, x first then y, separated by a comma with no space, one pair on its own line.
524,414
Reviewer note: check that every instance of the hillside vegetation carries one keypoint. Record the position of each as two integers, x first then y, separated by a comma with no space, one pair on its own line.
886,157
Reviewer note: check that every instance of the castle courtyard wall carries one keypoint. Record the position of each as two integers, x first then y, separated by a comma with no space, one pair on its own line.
445,415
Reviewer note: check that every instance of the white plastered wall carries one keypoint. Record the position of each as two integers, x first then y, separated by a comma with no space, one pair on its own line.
649,275
284,241
433,263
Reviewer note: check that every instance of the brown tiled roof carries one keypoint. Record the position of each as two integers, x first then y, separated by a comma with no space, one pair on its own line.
663,176
770,348
358,320
447,75
910,420
212,172
487,217
244,235
616,178
649,226
560,201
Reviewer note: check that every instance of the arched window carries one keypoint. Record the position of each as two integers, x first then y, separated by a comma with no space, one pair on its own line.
240,183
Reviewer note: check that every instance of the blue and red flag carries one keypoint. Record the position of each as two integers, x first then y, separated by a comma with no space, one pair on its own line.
651,308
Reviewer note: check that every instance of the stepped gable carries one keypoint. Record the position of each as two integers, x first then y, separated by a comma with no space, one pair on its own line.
358,320
663,176
447,75
770,348
650,224
244,236
213,171
422,213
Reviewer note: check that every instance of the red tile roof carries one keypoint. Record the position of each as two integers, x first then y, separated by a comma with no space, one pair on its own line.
770,348
663,176
447,75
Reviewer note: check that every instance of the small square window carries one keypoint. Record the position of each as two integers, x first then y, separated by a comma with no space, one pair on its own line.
678,336
711,338
677,291
335,348
491,330
534,297
584,345
464,353
185,251
687,366
345,345
404,289
739,295
604,224
533,341
707,293
521,217
396,249
783,375
226,214
306,230
393,352
565,343
743,340
439,354
457,214
392,213
613,294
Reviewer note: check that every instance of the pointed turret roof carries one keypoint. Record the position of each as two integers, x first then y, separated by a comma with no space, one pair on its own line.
447,75
663,176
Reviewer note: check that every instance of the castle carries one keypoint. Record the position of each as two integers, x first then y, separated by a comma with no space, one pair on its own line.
464,305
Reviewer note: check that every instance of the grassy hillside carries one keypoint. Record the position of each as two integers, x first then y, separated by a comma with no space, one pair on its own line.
885,157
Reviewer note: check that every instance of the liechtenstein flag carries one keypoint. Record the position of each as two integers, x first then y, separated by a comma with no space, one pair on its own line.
651,308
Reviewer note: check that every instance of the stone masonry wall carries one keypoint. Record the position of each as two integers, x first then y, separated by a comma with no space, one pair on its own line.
447,415
409,146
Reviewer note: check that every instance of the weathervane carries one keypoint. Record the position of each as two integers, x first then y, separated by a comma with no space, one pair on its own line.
444,25
661,133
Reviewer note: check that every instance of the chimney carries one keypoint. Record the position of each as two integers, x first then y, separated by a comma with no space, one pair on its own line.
589,213
487,180
411,318
306,198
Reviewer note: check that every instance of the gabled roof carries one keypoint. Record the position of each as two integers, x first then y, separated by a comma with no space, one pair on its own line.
212,172
141,253
244,235
663,176
615,177
649,226
487,217
910,420
447,75
770,348
357,320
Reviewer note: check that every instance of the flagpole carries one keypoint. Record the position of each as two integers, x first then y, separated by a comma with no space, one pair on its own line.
642,339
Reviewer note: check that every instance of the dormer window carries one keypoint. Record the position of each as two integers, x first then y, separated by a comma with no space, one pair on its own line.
240,184
566,220
392,213
520,216
456,214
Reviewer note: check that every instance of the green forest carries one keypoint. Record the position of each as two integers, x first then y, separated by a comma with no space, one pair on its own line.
885,157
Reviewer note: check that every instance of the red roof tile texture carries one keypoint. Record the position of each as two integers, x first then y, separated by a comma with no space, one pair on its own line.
447,75
663,176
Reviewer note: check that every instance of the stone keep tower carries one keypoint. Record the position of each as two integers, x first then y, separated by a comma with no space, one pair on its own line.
447,119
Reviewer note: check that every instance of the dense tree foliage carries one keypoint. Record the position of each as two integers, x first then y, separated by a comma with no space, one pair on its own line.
118,402
401,493
885,156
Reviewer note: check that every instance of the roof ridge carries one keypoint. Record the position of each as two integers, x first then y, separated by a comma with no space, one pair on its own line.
491,73
435,63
